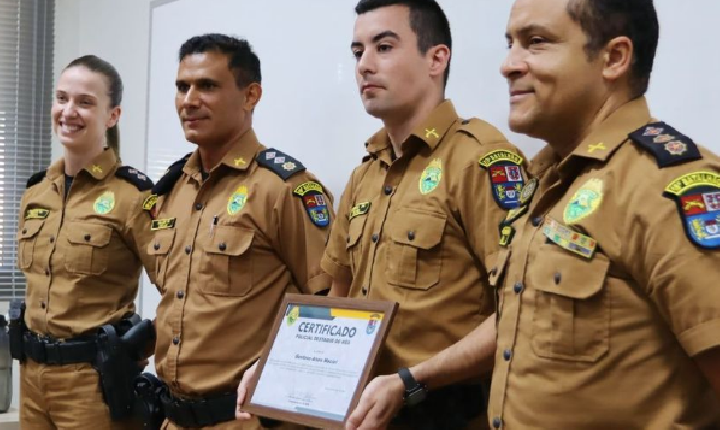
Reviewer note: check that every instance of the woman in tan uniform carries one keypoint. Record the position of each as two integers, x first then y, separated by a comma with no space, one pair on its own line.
82,226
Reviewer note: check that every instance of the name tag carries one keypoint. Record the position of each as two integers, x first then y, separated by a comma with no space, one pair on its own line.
360,209
162,224
37,213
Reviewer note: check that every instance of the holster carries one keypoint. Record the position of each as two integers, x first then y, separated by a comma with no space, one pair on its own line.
119,353
148,389
17,329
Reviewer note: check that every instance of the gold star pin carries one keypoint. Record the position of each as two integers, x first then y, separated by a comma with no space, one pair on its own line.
599,147
239,162
431,132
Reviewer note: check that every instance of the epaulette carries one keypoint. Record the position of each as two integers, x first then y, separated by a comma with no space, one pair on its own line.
172,174
36,178
135,177
482,131
280,163
669,146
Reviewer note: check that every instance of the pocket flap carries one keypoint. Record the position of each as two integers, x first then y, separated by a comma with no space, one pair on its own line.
421,230
559,272
88,234
162,242
355,230
31,228
230,240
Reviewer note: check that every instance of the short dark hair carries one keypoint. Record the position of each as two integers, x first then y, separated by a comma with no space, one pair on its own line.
427,21
242,60
115,91
603,20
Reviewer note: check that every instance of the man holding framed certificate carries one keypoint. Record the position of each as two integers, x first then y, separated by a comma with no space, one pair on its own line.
418,220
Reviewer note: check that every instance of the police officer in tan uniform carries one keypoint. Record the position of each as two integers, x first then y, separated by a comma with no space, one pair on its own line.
608,298
82,229
418,220
237,225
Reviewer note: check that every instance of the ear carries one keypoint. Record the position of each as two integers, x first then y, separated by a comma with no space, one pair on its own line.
617,58
114,117
253,94
438,57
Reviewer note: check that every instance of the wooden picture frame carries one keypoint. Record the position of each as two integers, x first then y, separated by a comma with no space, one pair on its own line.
347,309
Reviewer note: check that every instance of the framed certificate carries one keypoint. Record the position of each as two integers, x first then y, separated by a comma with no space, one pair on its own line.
318,359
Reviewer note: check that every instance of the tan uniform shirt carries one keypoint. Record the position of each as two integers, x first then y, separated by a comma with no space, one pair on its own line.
604,296
228,248
420,230
81,256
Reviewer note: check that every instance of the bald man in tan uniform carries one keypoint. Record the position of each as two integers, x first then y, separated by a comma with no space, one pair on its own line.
236,226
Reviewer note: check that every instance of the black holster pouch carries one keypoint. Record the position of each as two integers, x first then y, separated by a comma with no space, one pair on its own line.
148,389
120,349
448,408
17,329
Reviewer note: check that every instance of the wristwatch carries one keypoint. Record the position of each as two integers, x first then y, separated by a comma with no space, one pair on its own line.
415,392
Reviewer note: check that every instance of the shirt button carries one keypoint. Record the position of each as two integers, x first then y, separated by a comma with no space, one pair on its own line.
347,239
198,206
558,278
494,271
388,190
518,287
180,294
364,290
507,354
188,250
47,272
176,340
24,231
536,221
496,422
411,235
52,239
222,246
87,238
156,246
42,305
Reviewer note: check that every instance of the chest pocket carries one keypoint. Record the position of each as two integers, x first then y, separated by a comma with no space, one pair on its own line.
571,319
27,239
88,252
354,245
159,248
414,255
226,267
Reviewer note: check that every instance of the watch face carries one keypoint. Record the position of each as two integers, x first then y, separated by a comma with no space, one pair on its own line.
415,396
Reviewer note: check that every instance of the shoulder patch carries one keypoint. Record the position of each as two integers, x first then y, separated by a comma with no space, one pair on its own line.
316,206
172,174
697,196
280,163
36,178
481,131
135,177
506,176
669,146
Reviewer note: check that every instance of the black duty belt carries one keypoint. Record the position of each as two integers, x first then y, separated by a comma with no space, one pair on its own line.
47,350
199,412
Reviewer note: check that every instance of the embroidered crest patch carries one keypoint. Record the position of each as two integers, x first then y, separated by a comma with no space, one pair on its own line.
236,202
311,194
430,177
697,196
104,203
584,202
506,177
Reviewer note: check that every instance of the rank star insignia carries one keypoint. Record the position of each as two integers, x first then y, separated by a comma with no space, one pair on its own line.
430,177
584,202
653,131
676,147
104,203
663,138
289,165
